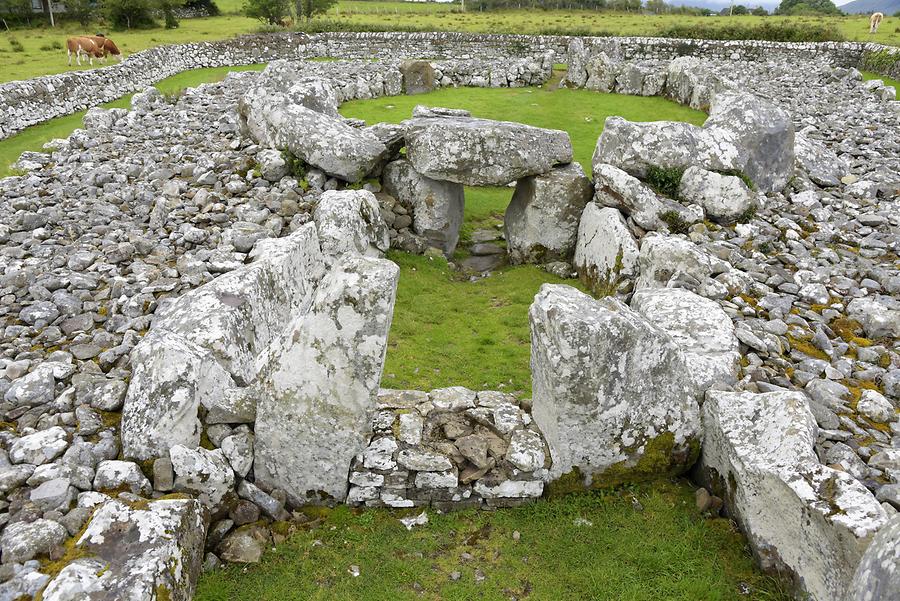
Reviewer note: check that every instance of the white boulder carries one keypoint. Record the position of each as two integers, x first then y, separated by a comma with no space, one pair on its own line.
606,250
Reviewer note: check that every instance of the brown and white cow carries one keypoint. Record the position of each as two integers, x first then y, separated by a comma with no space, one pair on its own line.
83,46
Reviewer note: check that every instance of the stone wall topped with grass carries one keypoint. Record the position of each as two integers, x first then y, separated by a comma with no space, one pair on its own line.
25,103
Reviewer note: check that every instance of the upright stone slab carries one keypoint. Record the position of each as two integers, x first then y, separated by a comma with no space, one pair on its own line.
763,133
606,250
690,82
878,573
418,77
799,516
700,327
350,221
437,206
541,221
201,350
482,152
320,382
601,73
136,554
611,392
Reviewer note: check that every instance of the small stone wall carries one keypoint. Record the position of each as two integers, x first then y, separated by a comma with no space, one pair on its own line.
25,103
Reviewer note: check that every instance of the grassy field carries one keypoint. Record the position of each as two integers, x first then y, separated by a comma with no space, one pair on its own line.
646,543
38,56
33,138
448,330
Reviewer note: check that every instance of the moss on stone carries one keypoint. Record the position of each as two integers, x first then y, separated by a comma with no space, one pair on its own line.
805,347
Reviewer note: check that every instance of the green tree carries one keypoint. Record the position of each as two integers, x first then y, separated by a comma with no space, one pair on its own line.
16,11
130,14
267,11
807,7
759,11
740,9
83,11
310,8
168,7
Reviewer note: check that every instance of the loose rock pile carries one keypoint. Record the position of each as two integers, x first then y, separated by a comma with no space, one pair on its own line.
171,268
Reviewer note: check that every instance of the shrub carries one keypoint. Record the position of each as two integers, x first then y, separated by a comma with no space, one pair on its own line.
676,224
665,181
769,31
54,45
807,7
83,11
310,8
130,14
267,11
16,45
207,7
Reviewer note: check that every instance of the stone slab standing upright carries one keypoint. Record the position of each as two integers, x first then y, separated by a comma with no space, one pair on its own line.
541,222
320,382
799,515
611,392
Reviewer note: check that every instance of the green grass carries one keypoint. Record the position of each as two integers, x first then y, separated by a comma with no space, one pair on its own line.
447,330
38,59
867,75
33,138
584,546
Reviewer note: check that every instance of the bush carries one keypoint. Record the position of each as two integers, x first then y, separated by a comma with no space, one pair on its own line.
807,7
16,45
16,11
83,11
325,25
665,181
310,8
208,7
267,11
130,14
771,32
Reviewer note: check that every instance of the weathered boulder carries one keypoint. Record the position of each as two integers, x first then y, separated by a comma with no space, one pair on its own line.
201,349
418,77
350,221
822,165
640,80
541,221
272,165
311,422
879,316
23,540
878,573
203,473
318,139
601,73
636,147
700,327
612,394
606,250
437,206
799,516
617,189
724,198
283,76
482,152
763,133
136,554
664,257
690,82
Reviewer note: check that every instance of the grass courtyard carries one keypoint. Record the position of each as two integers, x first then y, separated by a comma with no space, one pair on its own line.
643,543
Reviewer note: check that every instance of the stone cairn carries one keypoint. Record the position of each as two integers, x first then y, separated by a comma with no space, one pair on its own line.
197,308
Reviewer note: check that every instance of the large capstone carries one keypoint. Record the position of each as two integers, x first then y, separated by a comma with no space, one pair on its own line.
541,221
612,394
483,152
320,382
318,139
700,327
638,147
763,134
606,250
129,554
201,350
799,515
287,77
436,206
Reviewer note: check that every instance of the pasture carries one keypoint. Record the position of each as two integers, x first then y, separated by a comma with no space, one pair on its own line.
26,53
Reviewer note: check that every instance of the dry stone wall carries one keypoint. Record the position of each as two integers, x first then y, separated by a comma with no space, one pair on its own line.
25,103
